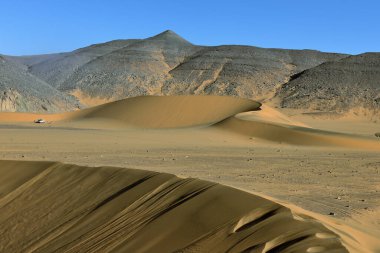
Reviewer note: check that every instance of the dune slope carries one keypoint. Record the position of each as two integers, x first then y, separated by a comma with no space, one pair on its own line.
170,111
296,135
48,206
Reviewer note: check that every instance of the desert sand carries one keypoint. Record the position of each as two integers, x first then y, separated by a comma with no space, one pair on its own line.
50,207
300,188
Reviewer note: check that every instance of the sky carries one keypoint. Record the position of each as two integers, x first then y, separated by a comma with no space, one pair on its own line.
46,26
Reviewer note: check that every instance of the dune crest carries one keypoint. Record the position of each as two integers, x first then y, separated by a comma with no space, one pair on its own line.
48,206
269,115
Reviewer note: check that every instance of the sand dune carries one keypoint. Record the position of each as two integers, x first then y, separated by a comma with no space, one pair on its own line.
236,115
296,135
170,111
55,207
47,206
152,111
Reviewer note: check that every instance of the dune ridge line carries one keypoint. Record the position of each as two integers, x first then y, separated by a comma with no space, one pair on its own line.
50,206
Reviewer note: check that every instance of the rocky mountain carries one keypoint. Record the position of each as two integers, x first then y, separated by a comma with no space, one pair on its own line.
243,71
55,70
21,91
30,60
349,84
140,68
167,64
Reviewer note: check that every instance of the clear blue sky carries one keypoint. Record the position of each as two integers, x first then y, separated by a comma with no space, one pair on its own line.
46,26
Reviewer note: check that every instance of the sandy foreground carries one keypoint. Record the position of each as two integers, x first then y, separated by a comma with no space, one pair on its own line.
324,186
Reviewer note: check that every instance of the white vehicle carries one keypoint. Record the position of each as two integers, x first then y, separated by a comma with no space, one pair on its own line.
39,121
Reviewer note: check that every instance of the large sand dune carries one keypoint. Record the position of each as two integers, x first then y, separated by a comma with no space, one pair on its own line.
236,115
170,111
150,112
55,207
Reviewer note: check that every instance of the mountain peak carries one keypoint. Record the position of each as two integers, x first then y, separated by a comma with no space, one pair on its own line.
171,36
170,32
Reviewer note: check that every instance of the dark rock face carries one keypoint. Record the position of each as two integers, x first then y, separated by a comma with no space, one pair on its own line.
248,72
336,86
21,91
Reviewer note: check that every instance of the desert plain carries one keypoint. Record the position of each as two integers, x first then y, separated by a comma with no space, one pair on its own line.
248,178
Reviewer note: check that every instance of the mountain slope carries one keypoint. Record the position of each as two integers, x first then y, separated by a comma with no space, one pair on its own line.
21,91
243,71
56,70
30,60
137,69
167,64
349,84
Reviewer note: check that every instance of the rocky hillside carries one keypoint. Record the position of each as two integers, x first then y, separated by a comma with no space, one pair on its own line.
21,91
167,64
140,68
350,84
243,71
55,70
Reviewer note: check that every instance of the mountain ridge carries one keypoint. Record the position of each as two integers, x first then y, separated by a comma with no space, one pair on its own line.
167,64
